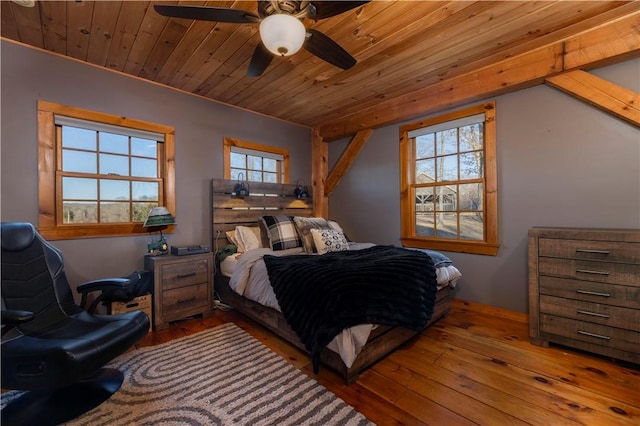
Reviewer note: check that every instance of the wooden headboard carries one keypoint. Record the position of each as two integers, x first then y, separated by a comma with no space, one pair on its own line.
264,199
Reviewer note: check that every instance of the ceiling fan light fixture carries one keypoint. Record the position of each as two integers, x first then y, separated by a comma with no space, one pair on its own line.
282,34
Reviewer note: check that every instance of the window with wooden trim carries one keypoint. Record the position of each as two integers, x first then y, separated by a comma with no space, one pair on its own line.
449,182
99,174
255,162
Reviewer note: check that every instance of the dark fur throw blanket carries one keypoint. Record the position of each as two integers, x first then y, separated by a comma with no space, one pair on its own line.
324,294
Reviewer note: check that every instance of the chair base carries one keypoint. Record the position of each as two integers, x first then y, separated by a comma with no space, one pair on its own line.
65,404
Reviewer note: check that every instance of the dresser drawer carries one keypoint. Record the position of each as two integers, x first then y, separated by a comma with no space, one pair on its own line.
601,335
179,301
609,251
183,274
591,291
598,313
588,270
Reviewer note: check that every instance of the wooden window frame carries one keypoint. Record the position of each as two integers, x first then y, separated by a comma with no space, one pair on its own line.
408,237
231,142
49,190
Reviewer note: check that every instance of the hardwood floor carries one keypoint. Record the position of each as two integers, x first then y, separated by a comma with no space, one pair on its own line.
474,367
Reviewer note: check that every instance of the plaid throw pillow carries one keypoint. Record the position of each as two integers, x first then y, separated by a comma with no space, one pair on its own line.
282,232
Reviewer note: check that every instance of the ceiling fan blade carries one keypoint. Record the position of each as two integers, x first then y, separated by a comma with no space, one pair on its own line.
326,9
328,50
204,13
259,61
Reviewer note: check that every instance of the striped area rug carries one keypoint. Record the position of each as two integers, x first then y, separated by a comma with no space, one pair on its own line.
221,376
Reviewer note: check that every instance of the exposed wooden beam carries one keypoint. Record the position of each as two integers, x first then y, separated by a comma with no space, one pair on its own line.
343,164
609,43
319,170
609,97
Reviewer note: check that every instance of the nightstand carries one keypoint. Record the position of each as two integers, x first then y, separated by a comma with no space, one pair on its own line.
183,286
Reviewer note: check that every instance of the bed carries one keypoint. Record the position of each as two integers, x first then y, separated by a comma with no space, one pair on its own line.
353,350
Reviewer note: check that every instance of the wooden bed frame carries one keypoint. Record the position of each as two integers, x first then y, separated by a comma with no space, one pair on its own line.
274,199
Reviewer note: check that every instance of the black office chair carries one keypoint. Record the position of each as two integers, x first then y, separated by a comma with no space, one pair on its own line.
51,347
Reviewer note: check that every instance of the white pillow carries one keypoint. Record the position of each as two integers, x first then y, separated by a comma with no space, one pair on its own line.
327,240
248,238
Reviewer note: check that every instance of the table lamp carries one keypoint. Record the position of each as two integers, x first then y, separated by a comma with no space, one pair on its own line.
160,218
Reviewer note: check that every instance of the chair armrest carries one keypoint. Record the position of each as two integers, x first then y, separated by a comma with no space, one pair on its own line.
13,317
103,284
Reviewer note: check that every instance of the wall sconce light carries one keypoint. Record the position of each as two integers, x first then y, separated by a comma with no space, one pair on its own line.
241,188
301,191
158,219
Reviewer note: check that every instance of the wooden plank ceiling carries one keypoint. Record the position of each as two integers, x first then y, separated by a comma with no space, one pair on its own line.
402,47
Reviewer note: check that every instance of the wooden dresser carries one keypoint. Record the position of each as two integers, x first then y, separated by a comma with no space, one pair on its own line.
584,290
183,286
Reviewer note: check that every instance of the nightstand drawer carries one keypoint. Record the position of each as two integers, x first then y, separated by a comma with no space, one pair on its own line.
586,270
181,300
601,335
609,251
598,313
184,274
591,291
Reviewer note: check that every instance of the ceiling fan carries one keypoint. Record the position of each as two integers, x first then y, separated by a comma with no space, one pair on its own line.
282,32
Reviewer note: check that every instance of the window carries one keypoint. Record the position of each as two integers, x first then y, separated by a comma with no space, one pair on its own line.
256,163
99,175
448,185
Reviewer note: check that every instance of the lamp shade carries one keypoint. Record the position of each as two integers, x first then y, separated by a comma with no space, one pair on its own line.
159,216
282,34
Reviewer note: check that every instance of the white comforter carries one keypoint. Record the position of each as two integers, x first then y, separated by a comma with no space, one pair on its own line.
249,278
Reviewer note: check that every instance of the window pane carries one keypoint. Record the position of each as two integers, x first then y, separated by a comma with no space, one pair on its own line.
447,142
235,174
143,167
270,165
254,162
79,161
79,212
471,165
114,189
424,199
445,198
270,177
114,165
447,225
470,197
425,146
447,168
117,144
426,171
255,176
79,189
141,210
471,137
424,224
144,147
112,212
238,161
145,191
471,226
74,137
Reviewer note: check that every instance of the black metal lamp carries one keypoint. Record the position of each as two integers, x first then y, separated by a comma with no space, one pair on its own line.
301,191
160,218
241,188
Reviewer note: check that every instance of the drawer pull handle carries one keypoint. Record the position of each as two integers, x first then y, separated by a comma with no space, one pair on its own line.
592,251
593,293
191,299
587,271
192,274
593,314
599,336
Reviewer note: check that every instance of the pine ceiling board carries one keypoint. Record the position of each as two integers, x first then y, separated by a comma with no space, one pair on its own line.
79,28
8,26
53,15
29,24
103,25
151,27
128,25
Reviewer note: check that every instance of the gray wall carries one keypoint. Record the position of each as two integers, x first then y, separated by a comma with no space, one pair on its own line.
200,125
561,162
